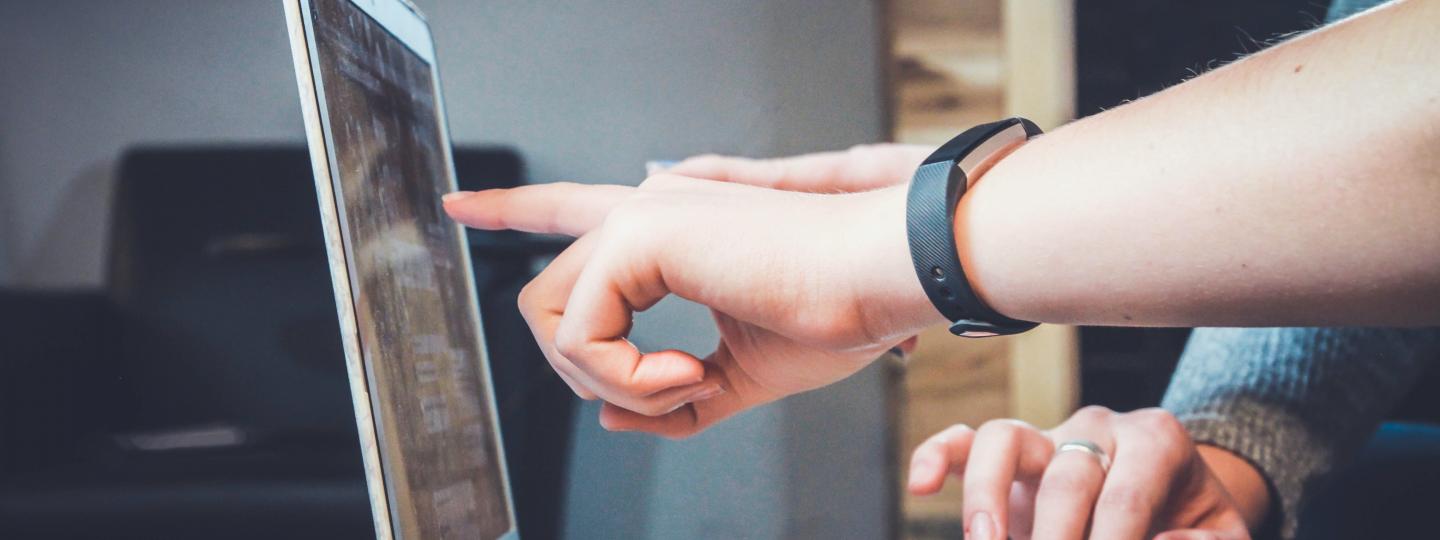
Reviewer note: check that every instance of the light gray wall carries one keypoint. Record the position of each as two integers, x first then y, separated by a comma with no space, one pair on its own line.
8,228
587,90
83,80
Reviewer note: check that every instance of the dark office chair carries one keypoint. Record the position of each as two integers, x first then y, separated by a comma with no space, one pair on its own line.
212,401
205,394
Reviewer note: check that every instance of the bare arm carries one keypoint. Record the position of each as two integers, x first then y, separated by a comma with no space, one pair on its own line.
1300,186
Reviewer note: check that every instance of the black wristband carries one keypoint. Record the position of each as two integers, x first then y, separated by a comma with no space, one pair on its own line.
930,216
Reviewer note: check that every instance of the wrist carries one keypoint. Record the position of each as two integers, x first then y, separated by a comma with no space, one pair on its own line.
938,229
986,244
1242,480
889,296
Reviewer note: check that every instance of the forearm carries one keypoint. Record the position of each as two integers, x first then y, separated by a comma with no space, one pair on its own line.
1300,186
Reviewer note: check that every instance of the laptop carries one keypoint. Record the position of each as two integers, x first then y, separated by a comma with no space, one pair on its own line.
404,291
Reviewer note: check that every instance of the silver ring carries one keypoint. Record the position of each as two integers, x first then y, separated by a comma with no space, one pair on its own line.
1082,445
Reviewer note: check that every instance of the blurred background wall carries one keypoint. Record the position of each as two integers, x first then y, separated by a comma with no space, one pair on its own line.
586,91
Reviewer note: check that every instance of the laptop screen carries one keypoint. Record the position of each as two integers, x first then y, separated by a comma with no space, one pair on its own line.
410,281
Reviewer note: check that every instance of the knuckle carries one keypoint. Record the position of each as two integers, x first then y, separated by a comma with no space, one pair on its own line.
1158,424
1006,430
526,299
1161,438
1093,413
569,344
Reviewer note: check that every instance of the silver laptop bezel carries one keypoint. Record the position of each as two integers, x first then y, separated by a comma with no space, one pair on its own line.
405,22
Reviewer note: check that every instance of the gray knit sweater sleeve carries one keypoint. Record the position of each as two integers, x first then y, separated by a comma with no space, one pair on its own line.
1294,401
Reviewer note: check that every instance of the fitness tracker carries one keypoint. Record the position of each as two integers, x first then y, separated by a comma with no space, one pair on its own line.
930,216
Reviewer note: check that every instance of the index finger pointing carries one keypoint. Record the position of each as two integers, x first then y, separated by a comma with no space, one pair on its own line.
558,208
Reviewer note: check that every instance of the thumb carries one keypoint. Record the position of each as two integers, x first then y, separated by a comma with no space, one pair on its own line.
741,393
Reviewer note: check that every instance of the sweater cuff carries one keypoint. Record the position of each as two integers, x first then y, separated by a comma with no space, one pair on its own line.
1284,454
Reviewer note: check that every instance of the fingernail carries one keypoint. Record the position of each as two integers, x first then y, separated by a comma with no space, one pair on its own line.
455,196
707,394
981,527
